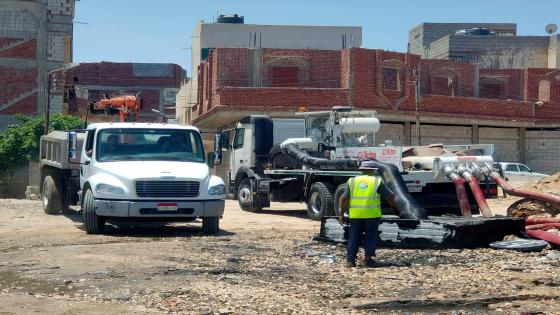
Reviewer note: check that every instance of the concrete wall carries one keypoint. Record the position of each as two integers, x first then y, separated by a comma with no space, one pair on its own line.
421,36
432,134
543,150
505,140
497,52
554,52
393,132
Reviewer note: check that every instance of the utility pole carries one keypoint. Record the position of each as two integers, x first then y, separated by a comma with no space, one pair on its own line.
417,101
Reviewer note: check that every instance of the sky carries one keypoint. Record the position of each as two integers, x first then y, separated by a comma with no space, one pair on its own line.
159,31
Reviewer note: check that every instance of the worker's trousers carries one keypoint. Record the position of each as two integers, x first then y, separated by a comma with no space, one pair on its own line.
362,229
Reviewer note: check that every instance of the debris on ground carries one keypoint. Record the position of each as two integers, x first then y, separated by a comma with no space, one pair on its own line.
528,207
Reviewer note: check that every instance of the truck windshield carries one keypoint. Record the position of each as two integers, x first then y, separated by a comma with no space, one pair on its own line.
134,144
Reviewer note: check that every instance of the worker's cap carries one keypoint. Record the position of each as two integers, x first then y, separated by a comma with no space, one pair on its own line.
367,165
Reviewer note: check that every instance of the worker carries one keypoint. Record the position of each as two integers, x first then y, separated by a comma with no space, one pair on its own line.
362,201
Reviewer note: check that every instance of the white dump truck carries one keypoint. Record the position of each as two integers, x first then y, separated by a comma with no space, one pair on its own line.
130,171
253,159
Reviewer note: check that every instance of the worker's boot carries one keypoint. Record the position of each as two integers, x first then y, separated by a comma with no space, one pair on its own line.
369,263
350,263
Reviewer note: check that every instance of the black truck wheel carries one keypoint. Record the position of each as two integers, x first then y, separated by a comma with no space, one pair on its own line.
320,201
246,196
94,224
51,196
211,225
336,198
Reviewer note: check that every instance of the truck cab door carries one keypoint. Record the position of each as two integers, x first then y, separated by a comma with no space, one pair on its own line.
241,155
86,157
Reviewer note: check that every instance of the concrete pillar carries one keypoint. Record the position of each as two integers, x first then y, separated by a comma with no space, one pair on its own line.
476,80
254,67
475,134
407,135
521,145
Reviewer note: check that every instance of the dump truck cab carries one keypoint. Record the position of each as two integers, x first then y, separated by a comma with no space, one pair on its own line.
131,171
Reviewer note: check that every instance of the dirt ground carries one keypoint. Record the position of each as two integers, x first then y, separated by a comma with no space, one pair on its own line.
259,263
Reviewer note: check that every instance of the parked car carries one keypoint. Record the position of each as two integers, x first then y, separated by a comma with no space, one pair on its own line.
519,174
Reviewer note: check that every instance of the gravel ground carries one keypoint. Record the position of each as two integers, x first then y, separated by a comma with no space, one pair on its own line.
260,263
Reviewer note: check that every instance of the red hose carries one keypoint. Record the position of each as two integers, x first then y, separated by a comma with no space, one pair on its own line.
546,236
531,221
479,197
552,199
542,226
462,196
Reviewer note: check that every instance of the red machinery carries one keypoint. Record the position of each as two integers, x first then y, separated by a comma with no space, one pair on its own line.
124,106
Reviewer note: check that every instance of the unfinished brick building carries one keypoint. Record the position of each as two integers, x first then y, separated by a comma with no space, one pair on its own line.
459,104
35,38
73,88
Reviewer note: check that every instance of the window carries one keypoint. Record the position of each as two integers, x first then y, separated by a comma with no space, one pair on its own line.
89,141
285,76
512,168
491,90
523,168
238,141
135,144
544,91
391,79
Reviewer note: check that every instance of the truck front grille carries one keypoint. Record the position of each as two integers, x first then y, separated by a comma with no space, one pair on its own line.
173,189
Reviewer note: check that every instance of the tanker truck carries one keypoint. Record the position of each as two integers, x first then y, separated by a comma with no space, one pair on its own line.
260,163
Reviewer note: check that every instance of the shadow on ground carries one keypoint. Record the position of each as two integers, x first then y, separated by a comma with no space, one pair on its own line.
144,228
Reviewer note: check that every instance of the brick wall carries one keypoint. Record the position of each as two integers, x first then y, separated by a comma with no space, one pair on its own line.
276,97
374,79
16,81
24,49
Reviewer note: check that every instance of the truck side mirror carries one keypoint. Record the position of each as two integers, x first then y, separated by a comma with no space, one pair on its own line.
211,159
225,140
72,142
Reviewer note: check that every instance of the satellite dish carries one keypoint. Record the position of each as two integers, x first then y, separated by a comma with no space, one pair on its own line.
551,28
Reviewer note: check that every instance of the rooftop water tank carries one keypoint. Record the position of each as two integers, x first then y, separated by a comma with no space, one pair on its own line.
231,19
475,31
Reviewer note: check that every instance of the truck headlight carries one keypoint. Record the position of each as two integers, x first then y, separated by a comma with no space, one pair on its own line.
217,190
108,189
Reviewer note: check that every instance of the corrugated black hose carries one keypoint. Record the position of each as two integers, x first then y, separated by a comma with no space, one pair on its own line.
405,204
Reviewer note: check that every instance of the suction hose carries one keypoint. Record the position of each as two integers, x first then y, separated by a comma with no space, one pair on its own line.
551,199
404,203
476,190
460,189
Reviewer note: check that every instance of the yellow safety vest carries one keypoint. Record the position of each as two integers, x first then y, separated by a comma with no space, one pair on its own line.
365,201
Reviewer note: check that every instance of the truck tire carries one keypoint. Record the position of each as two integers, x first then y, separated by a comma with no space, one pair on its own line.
336,198
94,224
51,196
246,197
211,225
320,202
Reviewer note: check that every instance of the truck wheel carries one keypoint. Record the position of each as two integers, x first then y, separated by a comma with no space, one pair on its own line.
94,224
246,197
337,195
320,202
50,196
211,225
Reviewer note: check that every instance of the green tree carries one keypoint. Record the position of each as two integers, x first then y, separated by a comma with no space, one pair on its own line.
20,143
